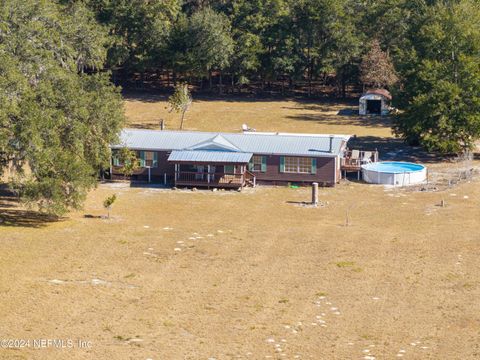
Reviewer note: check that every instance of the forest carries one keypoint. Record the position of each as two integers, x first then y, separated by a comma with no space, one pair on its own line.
424,51
64,63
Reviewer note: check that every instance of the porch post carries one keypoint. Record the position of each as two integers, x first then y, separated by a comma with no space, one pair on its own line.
208,174
176,172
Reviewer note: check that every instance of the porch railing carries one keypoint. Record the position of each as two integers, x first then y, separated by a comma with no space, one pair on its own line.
204,178
250,177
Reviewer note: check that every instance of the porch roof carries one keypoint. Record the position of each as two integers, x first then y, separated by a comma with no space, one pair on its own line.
210,156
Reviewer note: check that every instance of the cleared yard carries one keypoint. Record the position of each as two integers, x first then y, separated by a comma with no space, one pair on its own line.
251,275
145,111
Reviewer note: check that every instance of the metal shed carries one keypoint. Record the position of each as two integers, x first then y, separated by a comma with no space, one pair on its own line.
375,102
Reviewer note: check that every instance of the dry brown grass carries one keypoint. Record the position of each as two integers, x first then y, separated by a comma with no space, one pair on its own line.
405,271
263,115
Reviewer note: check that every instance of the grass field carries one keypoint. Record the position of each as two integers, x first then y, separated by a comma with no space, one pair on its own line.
263,115
250,275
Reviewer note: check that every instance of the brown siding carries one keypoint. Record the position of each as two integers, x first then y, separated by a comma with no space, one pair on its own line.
325,172
157,174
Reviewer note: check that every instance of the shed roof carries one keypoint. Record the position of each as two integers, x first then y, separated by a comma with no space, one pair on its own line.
382,92
248,142
210,156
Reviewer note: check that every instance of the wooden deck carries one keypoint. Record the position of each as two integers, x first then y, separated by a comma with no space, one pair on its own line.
354,159
221,180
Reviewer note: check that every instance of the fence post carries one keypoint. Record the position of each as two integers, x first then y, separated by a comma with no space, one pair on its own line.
315,193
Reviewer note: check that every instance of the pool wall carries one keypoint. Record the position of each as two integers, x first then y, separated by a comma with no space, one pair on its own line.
404,178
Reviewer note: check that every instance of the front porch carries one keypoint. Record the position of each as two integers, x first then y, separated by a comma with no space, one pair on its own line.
212,167
222,176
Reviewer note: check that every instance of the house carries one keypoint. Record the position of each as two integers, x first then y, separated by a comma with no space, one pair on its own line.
375,102
232,160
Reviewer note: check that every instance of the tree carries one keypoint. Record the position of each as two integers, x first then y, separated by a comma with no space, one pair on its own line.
440,97
129,161
108,203
56,123
377,69
180,101
138,29
210,42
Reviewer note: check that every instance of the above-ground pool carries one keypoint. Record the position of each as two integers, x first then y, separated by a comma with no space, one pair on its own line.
394,173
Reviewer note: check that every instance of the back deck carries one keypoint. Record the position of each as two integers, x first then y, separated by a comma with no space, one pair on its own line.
354,159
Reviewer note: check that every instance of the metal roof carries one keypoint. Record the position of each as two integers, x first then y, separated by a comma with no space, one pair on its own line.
210,156
215,143
247,142
382,92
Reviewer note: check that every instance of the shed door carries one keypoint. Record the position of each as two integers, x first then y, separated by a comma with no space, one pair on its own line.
374,106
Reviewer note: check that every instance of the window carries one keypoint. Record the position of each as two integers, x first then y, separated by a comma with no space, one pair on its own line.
228,169
148,159
298,165
116,158
258,163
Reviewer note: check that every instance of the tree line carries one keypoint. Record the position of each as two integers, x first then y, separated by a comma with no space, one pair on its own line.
425,51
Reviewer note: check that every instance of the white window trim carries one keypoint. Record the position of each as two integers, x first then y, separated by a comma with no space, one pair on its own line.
297,165
253,164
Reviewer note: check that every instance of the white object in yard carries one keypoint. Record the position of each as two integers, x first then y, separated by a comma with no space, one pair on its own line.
56,281
247,128
98,282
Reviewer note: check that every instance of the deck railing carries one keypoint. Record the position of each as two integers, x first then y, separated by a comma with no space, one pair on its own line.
356,158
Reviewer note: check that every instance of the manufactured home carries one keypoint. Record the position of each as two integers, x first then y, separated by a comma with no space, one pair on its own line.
234,160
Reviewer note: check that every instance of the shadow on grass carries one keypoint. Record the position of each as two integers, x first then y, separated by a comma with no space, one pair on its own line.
344,118
299,202
152,125
153,96
392,149
12,215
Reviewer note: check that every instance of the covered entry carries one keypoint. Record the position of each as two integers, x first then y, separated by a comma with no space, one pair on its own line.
212,168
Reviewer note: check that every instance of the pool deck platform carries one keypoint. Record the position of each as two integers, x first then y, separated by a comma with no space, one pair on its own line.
354,159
